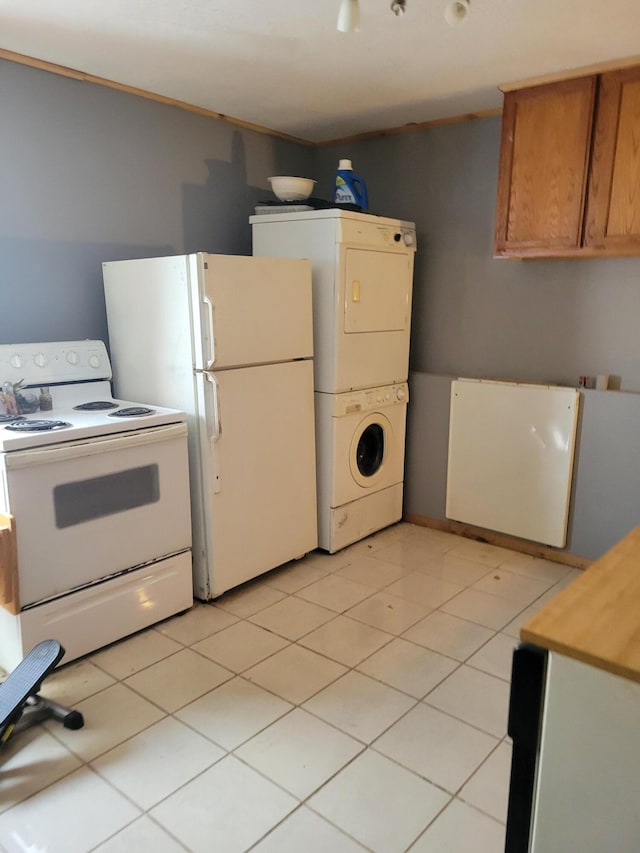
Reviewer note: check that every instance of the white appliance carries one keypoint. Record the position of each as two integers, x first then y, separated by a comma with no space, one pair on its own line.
229,340
97,493
362,287
575,756
360,452
510,462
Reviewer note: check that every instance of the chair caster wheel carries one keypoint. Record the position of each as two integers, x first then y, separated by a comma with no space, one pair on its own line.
74,720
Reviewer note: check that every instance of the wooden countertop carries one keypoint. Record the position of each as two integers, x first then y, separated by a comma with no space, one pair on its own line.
596,619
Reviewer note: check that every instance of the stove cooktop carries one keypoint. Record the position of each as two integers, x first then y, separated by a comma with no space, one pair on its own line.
70,380
80,412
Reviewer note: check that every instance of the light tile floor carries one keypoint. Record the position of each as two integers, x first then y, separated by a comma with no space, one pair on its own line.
348,702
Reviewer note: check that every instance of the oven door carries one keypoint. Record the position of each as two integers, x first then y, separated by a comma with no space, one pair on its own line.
86,510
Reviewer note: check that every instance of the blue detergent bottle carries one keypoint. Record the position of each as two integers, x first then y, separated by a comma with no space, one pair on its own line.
349,188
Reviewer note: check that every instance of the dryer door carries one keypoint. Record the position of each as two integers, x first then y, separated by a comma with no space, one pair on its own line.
372,320
378,291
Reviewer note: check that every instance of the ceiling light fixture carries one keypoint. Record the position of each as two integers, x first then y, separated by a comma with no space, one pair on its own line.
456,11
398,7
349,16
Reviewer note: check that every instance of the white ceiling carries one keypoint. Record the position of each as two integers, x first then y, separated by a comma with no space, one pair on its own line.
283,65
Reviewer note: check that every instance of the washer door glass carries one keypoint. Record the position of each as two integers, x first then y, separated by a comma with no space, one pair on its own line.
371,442
370,450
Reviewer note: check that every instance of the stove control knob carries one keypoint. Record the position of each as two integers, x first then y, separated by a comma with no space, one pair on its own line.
94,361
16,360
400,393
40,359
72,357
408,238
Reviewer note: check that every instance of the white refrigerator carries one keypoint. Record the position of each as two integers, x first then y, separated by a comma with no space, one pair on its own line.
228,340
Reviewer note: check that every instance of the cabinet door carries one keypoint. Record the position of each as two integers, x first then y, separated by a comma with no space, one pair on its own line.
546,135
613,211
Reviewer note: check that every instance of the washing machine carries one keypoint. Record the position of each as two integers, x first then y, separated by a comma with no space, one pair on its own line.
360,438
362,274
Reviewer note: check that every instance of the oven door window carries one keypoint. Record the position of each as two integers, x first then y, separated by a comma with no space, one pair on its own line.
85,500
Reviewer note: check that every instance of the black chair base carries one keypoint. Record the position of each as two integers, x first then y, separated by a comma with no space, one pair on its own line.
20,704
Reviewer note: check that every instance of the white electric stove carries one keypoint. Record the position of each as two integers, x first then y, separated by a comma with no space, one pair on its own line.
95,498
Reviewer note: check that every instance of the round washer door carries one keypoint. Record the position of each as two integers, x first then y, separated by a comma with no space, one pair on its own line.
369,449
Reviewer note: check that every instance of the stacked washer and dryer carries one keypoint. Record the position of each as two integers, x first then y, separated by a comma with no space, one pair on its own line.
362,272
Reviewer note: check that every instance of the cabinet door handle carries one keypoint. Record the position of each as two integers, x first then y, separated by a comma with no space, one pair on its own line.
355,291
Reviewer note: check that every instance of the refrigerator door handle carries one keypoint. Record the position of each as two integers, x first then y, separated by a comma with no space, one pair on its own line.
211,332
214,427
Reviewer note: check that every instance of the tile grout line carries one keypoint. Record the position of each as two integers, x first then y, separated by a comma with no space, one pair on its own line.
232,674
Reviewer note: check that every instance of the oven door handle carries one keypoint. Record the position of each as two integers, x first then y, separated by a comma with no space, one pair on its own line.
93,446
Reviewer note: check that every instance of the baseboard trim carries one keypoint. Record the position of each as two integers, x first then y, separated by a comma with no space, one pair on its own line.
502,540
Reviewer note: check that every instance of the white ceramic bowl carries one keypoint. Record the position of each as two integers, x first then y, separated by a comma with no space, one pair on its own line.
287,188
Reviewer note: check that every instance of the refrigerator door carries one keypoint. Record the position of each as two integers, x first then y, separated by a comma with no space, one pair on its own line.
149,314
258,473
250,310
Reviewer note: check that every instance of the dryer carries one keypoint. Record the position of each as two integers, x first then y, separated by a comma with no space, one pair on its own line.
360,439
362,275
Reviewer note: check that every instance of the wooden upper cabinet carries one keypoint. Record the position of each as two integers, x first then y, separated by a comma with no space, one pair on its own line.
612,220
544,160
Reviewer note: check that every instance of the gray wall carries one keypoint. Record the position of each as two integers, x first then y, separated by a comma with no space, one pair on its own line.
89,174
546,320
606,480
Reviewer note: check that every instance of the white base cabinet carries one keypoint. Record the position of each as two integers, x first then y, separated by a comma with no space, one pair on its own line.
582,752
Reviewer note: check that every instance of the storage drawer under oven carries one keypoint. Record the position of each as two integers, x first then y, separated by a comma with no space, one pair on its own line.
89,509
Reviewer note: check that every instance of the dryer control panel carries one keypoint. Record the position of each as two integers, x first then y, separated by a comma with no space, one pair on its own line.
387,235
370,399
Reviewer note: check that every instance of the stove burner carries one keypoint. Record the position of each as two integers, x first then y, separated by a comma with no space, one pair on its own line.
131,412
9,419
95,406
34,425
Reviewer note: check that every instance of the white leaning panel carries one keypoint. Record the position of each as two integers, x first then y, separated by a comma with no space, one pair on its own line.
511,449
